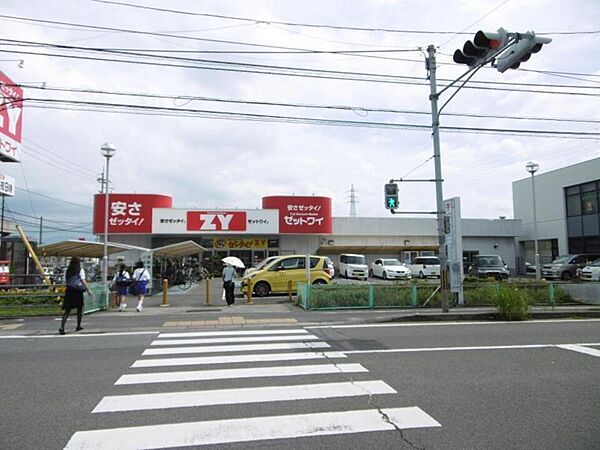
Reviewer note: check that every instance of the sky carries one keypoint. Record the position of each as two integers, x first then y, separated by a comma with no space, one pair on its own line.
191,136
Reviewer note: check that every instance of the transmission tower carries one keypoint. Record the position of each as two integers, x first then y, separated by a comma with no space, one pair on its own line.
353,201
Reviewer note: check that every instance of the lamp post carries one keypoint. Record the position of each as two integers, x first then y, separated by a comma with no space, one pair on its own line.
108,151
532,168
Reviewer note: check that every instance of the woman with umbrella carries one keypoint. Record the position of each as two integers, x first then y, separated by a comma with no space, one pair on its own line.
228,276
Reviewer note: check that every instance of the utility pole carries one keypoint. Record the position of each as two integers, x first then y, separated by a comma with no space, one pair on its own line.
41,225
353,201
439,195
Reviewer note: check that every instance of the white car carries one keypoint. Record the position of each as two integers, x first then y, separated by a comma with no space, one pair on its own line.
591,272
425,266
353,266
389,269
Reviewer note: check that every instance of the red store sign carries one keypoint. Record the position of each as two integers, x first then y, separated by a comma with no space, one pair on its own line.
216,220
128,213
303,215
11,119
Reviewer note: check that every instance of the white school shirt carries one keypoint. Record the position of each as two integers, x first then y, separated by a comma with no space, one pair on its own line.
125,275
141,274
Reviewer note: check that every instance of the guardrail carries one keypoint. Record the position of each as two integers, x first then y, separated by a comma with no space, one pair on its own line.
417,295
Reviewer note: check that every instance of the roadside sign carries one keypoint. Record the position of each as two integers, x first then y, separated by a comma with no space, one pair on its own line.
11,120
7,185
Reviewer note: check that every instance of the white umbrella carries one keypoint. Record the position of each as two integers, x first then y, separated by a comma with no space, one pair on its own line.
234,261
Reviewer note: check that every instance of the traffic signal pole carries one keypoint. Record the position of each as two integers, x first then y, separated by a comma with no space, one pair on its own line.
439,195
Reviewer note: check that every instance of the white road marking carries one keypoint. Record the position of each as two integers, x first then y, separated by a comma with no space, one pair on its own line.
581,349
251,429
79,335
253,372
231,333
228,340
446,324
446,349
139,402
234,348
235,359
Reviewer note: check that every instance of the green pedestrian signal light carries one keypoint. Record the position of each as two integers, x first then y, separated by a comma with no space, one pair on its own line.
391,195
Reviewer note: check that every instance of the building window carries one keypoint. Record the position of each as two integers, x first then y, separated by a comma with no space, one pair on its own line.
590,202
573,205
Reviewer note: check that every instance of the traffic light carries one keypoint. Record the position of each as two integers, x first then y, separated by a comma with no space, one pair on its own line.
485,44
526,44
391,195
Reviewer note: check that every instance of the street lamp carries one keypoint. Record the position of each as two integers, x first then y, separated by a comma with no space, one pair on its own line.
108,151
532,168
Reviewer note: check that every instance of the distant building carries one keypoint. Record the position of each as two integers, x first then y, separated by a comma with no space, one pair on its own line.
568,217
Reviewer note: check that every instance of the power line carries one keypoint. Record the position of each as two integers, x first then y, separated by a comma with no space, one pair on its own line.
307,73
189,98
119,52
309,25
309,120
56,199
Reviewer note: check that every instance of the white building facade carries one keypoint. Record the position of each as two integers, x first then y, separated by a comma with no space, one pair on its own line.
567,207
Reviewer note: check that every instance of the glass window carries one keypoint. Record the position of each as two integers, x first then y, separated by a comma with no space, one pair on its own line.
572,190
590,202
573,205
588,187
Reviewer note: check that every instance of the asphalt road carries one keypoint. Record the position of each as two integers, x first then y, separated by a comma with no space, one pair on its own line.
467,386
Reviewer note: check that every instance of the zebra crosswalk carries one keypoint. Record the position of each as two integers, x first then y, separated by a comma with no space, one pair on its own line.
279,367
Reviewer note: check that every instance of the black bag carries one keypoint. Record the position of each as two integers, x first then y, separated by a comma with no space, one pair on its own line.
76,283
131,288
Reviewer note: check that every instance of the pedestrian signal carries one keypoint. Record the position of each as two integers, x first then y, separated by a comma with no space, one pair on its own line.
391,195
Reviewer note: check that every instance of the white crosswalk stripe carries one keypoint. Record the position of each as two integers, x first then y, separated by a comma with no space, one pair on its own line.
234,348
252,372
231,340
221,349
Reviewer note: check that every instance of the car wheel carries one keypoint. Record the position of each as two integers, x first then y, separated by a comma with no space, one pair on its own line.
319,281
384,276
370,273
421,275
262,289
566,275
346,274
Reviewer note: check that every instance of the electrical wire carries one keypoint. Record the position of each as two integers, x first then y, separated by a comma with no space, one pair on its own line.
311,25
308,120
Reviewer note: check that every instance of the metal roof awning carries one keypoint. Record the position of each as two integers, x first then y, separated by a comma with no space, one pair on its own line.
84,249
179,249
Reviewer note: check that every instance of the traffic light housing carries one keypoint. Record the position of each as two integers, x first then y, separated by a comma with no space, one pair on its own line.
521,51
391,195
484,45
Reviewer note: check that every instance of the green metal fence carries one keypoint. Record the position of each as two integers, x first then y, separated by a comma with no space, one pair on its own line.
416,295
98,300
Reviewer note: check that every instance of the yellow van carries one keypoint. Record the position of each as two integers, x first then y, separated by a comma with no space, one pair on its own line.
274,277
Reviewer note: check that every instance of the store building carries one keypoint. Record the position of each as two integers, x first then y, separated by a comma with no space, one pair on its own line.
291,225
568,217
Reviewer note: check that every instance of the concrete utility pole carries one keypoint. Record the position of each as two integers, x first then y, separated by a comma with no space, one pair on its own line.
439,195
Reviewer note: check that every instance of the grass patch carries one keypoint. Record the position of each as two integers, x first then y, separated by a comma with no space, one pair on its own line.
30,310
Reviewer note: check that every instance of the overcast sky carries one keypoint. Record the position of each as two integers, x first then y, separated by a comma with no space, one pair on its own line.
209,162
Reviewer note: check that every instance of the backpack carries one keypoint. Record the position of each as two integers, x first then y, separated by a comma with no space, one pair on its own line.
76,283
122,280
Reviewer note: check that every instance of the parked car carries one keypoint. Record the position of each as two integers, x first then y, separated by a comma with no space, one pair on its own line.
565,267
425,266
485,266
274,277
353,266
529,268
591,272
260,265
389,269
330,269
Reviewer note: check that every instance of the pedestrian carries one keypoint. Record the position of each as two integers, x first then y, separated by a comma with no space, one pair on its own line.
75,286
121,282
229,283
139,282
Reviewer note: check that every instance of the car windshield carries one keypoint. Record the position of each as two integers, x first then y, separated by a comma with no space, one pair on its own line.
431,261
391,262
264,262
355,259
487,261
561,260
596,263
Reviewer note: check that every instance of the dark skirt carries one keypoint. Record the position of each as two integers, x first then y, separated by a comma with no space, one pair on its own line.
72,299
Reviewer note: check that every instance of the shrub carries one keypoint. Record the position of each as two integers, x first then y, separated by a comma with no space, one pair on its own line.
340,296
392,295
512,303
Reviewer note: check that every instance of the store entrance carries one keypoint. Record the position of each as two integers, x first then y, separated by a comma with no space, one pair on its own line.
244,255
